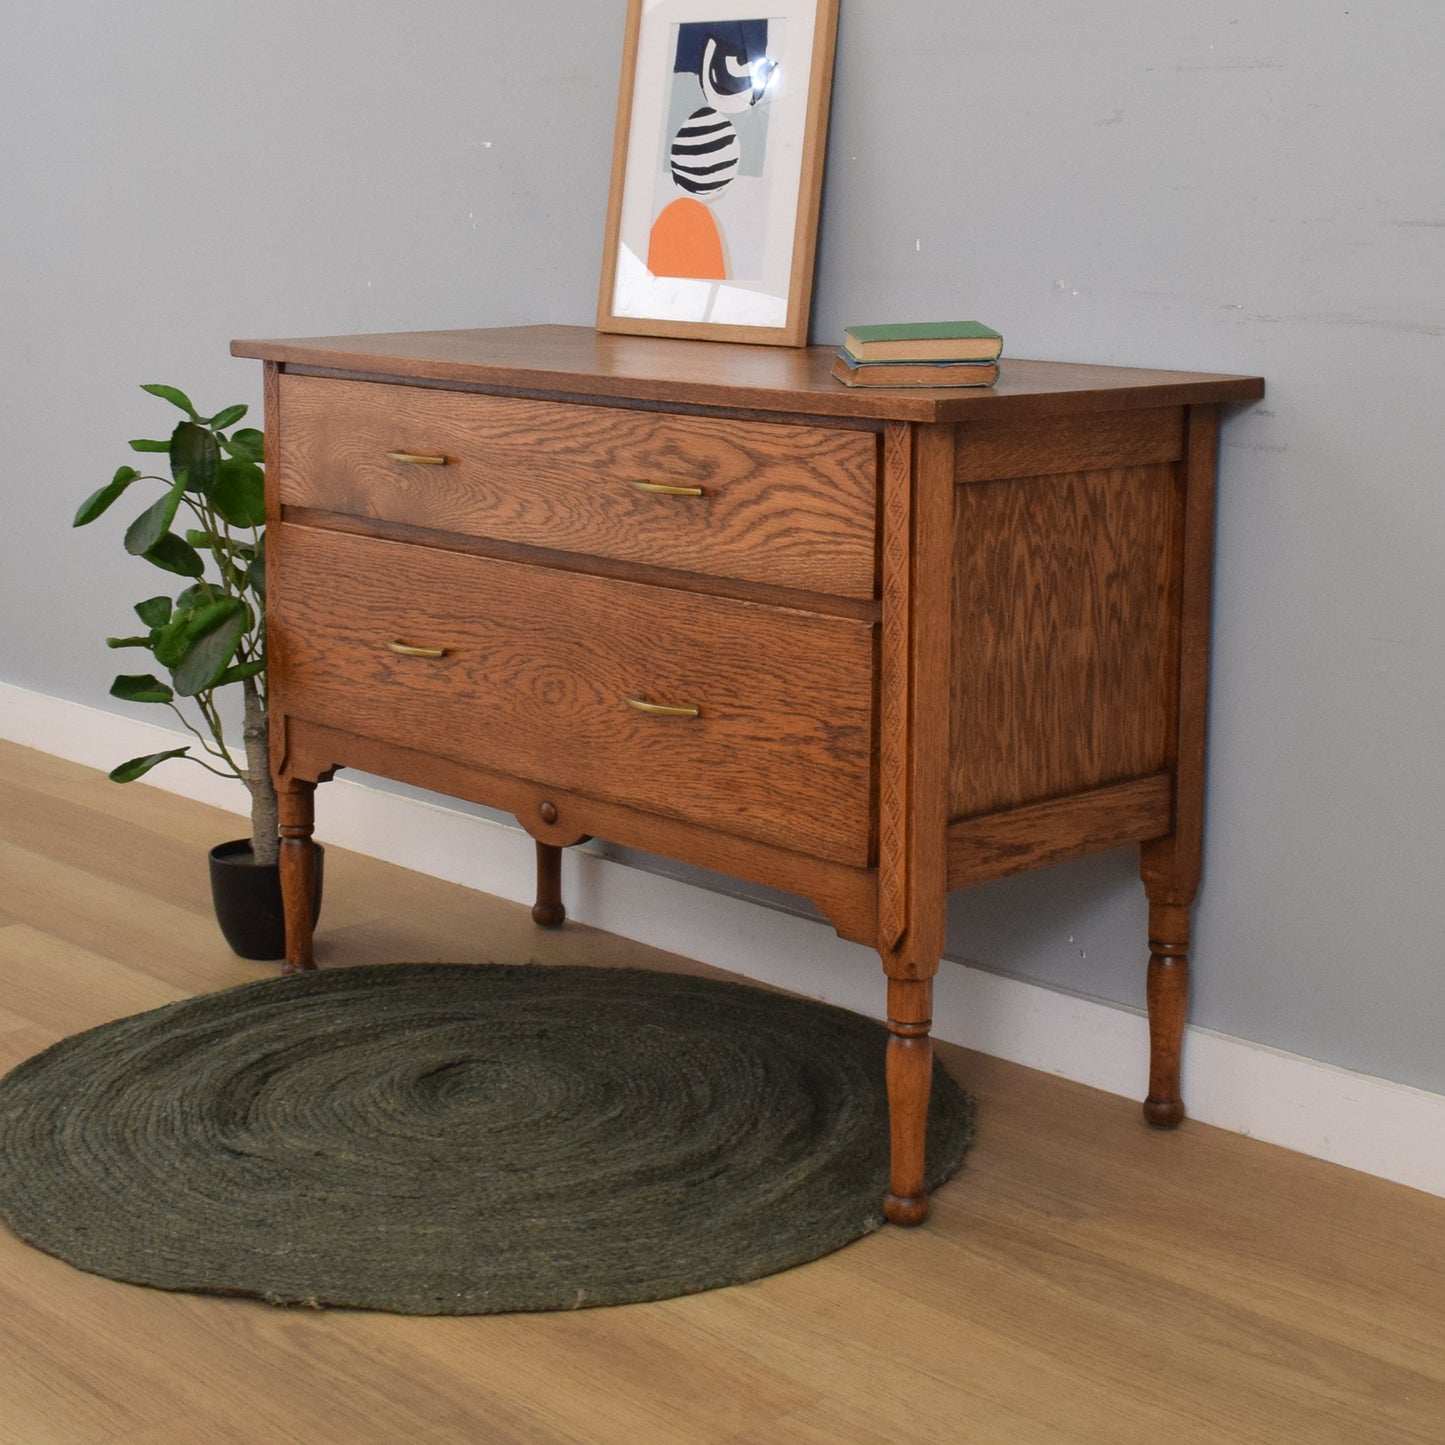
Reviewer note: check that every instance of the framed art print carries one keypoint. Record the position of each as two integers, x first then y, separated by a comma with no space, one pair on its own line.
717,168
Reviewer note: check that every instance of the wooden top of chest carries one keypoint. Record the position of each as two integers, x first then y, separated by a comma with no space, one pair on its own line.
576,361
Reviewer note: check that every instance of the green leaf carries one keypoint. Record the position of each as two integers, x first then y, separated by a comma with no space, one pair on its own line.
98,502
127,641
213,635
229,417
141,444
200,595
202,541
194,455
171,554
169,642
154,522
212,611
172,395
242,670
154,611
248,444
139,767
144,688
240,493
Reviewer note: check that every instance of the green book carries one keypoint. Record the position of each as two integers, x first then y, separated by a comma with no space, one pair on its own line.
923,341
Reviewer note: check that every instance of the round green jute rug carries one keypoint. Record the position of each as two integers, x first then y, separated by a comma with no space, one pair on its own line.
459,1138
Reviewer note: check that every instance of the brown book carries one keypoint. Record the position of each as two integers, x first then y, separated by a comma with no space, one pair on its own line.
914,373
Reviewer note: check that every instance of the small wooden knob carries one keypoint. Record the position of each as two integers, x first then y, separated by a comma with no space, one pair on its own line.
548,812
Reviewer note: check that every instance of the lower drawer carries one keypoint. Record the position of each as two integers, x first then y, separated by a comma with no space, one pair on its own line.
542,672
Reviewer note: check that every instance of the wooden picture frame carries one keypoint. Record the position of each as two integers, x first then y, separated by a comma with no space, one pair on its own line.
717,169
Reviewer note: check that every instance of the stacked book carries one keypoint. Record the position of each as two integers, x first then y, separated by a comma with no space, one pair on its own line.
919,353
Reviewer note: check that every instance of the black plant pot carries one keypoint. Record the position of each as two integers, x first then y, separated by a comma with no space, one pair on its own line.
247,898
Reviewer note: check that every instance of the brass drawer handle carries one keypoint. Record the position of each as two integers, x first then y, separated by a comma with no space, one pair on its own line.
666,489
658,709
405,649
418,459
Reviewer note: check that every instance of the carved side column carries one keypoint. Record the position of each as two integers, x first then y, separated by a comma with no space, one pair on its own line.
913,741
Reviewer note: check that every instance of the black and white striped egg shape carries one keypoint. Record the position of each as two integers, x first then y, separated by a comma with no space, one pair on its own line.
705,153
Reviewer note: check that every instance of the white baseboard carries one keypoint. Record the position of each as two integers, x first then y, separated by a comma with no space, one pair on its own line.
1314,1108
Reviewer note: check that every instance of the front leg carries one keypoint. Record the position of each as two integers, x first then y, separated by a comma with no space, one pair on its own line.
295,802
910,1082
1168,999
1170,869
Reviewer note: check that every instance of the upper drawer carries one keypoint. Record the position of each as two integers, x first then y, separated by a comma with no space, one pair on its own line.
790,505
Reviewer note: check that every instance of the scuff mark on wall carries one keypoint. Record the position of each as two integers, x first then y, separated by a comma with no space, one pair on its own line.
1335,318
1183,68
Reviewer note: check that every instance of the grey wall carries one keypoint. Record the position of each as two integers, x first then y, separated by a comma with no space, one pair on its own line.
1207,186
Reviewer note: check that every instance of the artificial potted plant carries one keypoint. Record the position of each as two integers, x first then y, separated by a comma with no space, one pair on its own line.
209,638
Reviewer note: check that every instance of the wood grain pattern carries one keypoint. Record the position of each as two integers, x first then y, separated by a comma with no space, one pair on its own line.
538,668
896,549
1171,867
997,844
795,598
995,451
930,694
579,362
792,506
846,896
1062,629
1083,1281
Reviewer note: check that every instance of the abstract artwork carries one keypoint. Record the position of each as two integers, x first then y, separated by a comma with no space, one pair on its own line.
717,169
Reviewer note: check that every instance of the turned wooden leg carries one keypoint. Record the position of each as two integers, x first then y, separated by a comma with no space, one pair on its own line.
296,807
548,911
910,1082
1168,994
1172,866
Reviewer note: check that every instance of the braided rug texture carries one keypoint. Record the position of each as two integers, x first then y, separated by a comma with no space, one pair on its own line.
459,1138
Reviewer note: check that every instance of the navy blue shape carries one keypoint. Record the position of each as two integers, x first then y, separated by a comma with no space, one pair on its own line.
743,38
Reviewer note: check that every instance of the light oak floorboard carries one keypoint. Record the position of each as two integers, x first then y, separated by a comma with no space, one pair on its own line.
1084,1279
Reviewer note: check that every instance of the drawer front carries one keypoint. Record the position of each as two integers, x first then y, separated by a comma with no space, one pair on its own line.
537,668
791,505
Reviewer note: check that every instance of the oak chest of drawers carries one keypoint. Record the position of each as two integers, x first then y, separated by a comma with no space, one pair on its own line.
864,646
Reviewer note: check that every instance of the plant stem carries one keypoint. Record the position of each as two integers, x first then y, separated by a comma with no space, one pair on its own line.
265,838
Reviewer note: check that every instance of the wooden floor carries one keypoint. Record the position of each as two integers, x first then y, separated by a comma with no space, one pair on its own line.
1084,1279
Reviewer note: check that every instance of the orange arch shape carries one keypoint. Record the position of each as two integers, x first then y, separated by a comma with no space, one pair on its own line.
686,241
